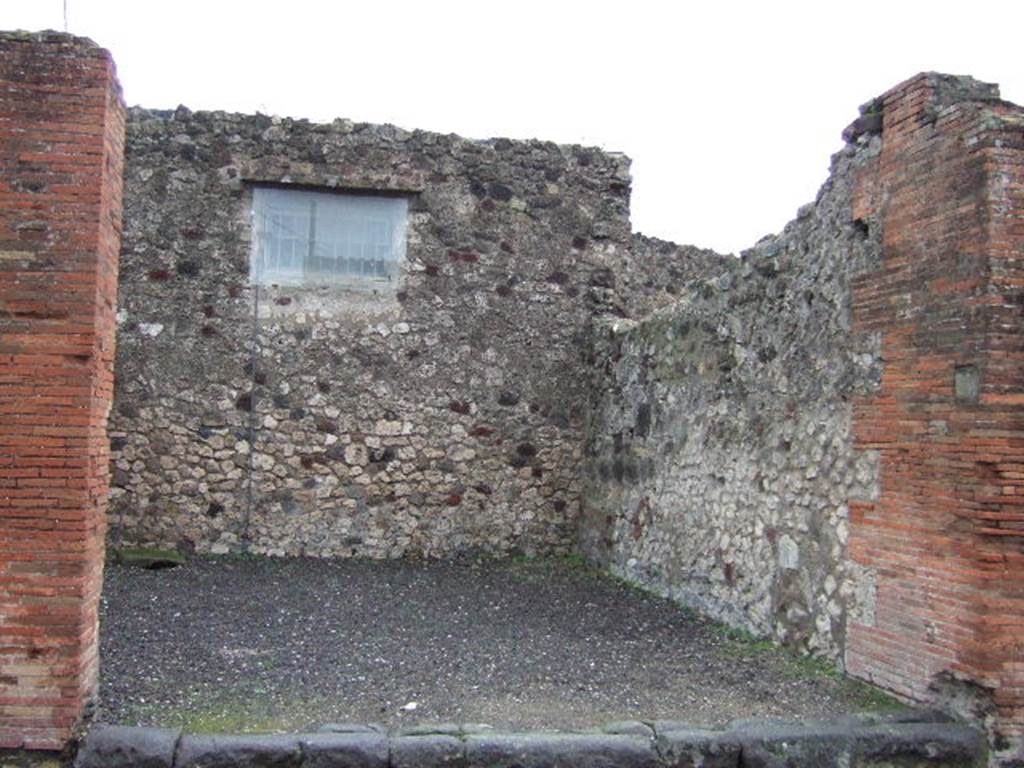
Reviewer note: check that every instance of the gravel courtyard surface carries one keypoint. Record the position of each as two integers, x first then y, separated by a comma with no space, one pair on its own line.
276,644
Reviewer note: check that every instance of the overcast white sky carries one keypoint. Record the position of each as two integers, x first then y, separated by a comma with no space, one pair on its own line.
730,110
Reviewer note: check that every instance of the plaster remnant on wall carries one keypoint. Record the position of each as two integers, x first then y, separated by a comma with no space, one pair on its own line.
789,554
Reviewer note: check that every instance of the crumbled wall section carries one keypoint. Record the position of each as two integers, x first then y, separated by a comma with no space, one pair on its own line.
440,418
651,274
61,131
720,458
946,534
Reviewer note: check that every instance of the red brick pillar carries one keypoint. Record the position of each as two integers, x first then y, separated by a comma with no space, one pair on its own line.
61,135
945,538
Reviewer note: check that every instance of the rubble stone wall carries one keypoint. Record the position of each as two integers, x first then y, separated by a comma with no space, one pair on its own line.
719,460
438,418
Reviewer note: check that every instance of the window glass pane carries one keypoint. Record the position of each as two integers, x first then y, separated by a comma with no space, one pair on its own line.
325,238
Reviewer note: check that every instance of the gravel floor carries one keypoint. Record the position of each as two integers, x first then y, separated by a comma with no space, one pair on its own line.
280,644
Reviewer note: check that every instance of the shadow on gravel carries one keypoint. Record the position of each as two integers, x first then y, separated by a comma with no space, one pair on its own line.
237,644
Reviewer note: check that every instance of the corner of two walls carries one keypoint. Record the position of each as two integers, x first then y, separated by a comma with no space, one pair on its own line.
719,458
946,535
821,441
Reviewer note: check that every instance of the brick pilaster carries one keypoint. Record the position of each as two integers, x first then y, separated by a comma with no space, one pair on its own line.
945,539
61,135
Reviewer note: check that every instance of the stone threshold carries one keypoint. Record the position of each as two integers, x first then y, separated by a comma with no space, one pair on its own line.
905,739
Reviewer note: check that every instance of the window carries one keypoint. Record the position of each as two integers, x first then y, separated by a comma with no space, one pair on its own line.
326,238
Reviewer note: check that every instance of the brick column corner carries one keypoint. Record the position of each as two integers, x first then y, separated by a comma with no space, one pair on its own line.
945,538
61,146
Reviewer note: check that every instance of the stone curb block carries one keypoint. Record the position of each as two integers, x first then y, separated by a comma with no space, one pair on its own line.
345,750
554,750
921,741
116,746
840,745
244,751
861,742
690,748
435,750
